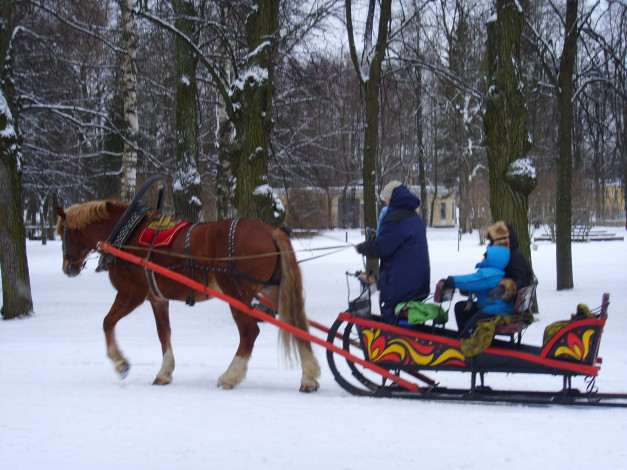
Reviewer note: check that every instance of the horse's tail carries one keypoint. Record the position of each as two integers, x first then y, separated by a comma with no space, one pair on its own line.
291,306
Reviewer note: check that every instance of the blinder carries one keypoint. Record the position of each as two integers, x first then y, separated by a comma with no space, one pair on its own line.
72,259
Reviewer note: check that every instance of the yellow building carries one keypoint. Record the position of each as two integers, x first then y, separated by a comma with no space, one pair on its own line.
614,200
315,208
348,211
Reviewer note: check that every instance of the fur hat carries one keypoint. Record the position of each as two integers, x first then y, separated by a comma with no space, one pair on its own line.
498,234
387,190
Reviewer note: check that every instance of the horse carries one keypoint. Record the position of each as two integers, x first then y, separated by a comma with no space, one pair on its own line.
241,258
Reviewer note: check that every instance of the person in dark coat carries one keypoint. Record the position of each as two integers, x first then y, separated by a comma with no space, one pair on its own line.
401,245
490,272
518,272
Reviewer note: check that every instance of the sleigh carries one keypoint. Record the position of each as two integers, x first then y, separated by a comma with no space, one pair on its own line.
413,350
366,356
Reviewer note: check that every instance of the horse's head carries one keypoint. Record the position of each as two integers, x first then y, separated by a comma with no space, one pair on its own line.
74,251
82,226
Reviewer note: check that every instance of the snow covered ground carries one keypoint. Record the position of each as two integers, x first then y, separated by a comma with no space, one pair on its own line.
63,406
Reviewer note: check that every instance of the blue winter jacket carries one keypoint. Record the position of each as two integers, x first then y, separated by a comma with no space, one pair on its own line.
401,244
489,273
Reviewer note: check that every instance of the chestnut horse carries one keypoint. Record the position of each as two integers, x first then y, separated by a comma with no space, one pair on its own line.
240,258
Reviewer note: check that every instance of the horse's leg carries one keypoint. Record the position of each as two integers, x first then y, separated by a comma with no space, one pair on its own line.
291,309
122,306
248,332
310,367
309,363
162,319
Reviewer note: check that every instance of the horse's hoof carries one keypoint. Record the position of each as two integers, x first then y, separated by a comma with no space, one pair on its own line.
159,381
309,388
124,371
226,385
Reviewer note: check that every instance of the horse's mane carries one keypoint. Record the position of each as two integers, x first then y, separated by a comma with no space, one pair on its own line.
78,216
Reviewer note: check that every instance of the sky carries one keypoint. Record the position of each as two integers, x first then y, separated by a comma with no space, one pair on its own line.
63,406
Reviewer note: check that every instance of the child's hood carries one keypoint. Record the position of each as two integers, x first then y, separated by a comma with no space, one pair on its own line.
495,257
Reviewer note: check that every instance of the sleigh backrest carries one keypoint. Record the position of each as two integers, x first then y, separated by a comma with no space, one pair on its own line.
524,299
523,303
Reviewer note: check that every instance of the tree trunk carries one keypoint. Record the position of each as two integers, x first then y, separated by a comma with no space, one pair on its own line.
563,205
420,149
186,188
465,222
224,176
16,291
507,139
422,179
253,197
131,125
435,167
371,83
458,45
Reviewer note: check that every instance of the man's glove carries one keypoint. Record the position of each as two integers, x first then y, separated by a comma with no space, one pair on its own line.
367,248
449,282
442,291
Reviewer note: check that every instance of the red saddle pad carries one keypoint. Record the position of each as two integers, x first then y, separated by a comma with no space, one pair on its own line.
160,231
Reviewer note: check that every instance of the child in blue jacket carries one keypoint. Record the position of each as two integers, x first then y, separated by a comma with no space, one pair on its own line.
489,273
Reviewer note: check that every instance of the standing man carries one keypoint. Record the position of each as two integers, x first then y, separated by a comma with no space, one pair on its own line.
401,245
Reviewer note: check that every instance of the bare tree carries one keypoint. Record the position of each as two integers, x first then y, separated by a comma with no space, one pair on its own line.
317,136
186,187
507,139
16,292
368,69
563,205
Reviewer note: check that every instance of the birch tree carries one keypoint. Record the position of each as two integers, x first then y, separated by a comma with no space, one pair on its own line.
131,124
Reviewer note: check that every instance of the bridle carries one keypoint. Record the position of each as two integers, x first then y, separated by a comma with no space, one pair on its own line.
83,251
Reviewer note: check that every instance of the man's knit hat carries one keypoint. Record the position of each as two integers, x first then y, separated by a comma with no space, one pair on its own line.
387,190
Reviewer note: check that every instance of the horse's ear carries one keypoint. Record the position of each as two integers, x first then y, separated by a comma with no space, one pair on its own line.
60,212
109,206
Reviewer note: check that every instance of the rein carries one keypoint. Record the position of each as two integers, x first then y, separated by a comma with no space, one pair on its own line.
336,249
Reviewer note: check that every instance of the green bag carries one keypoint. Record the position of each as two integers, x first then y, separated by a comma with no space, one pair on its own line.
419,312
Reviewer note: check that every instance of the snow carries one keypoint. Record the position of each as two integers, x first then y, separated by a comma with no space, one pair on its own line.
522,167
63,406
254,74
8,131
259,49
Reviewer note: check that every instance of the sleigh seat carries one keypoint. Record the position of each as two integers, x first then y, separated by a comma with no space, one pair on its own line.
523,309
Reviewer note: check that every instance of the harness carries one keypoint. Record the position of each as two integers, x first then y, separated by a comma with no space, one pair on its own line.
137,212
192,266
